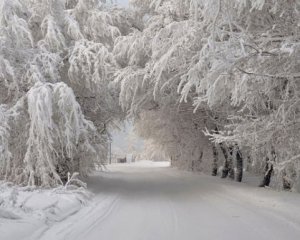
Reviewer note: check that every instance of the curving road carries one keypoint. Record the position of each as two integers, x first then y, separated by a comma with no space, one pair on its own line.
153,202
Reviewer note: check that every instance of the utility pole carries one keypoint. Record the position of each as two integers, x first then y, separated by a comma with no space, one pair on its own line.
109,152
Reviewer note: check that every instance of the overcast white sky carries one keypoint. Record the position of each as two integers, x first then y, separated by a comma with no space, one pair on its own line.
121,138
125,139
123,2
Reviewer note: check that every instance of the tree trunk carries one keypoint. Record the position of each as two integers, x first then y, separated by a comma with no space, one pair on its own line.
193,166
230,163
268,173
239,165
269,169
225,169
228,170
215,161
286,184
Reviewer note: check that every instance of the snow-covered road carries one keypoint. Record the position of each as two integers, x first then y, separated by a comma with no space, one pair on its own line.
153,202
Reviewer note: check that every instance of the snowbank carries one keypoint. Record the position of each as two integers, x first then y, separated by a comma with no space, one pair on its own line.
141,164
23,210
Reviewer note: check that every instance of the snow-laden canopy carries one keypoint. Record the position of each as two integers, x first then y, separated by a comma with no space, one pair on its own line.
56,99
236,63
201,79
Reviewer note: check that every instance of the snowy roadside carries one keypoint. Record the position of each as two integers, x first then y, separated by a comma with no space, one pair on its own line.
157,199
26,211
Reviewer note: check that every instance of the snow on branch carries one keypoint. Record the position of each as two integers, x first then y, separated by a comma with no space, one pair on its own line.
56,127
90,64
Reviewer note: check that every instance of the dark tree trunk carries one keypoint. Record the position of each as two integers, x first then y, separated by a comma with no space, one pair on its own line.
230,163
286,184
215,161
225,169
228,170
239,165
268,173
268,169
193,166
201,156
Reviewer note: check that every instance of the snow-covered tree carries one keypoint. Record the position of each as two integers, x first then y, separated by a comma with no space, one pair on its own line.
56,92
239,59
153,61
252,64
193,74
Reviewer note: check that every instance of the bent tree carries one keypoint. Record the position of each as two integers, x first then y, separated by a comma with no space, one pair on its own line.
237,60
71,68
56,70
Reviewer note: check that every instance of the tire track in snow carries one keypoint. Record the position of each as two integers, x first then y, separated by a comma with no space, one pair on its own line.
71,227
174,217
108,209
165,204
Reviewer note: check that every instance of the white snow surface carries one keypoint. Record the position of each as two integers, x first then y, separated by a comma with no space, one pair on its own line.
151,201
26,212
